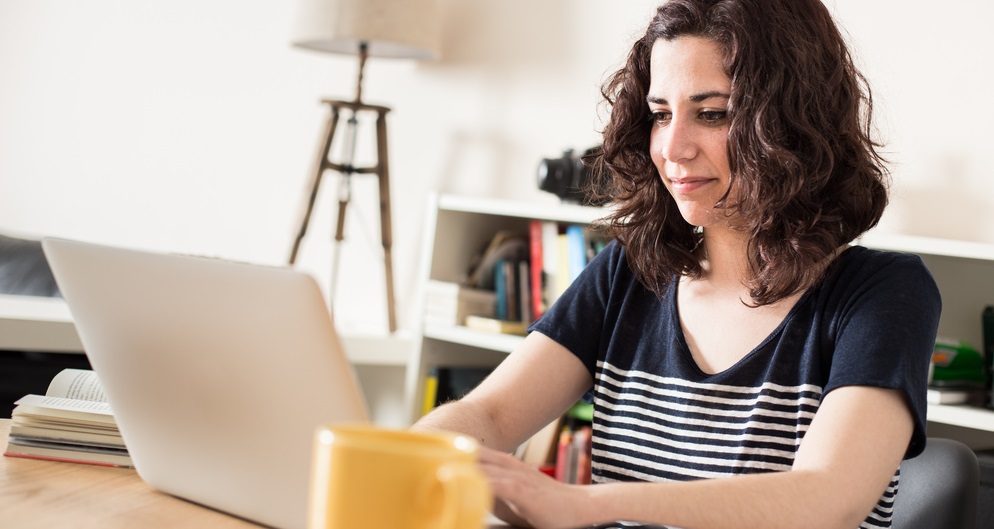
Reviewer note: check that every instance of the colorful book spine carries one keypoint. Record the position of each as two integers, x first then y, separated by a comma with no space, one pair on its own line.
535,268
562,265
550,263
511,284
525,294
562,454
576,244
500,287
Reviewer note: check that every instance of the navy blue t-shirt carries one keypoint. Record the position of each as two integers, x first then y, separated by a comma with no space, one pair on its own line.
658,417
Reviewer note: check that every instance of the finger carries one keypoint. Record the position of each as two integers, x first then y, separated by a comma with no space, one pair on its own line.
487,455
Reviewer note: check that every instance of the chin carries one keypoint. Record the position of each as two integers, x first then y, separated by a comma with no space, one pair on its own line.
698,217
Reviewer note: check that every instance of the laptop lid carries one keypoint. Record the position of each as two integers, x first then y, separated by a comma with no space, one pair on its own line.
218,372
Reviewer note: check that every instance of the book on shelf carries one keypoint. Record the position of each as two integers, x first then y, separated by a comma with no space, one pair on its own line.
431,391
525,312
447,383
505,245
71,422
526,274
508,284
496,325
550,263
448,303
562,265
576,248
563,447
540,449
573,455
573,452
947,396
974,396
536,268
501,309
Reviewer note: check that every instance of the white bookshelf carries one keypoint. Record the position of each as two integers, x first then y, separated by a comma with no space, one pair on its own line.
457,227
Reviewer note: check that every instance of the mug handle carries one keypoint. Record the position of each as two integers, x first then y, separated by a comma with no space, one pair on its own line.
465,496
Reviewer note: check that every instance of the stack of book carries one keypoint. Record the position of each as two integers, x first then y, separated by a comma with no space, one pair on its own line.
449,303
71,422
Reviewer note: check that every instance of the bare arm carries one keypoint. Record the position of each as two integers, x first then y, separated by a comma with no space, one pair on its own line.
533,386
847,459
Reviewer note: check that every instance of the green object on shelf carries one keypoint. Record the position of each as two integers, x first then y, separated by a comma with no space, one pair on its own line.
956,362
582,411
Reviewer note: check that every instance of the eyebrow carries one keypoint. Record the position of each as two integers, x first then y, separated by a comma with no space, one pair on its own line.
696,98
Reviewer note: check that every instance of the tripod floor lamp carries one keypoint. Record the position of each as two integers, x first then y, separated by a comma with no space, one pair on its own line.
367,28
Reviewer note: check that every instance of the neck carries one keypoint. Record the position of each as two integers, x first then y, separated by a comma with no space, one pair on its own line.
726,263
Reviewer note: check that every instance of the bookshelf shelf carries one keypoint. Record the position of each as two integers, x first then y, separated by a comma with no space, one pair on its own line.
929,246
504,343
962,416
569,213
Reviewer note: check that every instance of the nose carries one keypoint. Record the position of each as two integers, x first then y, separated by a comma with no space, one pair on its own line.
676,141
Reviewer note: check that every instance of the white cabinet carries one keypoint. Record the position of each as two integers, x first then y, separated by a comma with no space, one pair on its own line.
457,228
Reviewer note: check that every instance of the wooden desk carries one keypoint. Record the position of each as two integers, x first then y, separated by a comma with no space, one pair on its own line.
51,495
38,494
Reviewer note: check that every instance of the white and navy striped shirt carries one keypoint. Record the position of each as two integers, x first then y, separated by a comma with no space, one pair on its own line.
658,417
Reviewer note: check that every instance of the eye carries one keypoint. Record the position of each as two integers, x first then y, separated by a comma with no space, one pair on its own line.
660,117
714,117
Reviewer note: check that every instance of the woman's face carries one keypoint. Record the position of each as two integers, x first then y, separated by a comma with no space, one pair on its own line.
688,100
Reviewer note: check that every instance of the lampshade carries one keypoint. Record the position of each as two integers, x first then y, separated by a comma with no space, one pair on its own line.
407,29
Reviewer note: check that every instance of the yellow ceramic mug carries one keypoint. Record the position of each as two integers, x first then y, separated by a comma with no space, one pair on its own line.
375,478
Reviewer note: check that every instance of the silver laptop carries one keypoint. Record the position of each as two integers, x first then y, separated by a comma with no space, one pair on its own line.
218,372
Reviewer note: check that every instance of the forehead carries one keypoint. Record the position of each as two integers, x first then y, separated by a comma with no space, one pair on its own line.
684,66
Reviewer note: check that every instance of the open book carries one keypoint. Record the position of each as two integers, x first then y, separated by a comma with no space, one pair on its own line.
71,422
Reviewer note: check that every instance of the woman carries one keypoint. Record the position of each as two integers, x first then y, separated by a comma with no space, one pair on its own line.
748,367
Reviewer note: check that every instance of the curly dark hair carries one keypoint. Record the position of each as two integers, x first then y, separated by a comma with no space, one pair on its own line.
805,172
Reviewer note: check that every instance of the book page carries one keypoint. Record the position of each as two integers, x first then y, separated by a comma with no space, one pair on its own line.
79,384
47,405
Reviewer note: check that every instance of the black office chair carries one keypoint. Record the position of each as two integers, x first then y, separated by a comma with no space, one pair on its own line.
938,489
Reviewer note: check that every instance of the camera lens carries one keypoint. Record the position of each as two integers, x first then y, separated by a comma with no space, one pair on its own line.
552,175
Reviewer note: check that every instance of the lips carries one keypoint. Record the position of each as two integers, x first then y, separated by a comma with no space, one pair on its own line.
687,185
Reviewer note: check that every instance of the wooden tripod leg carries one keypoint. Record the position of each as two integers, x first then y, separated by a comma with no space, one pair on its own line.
324,147
386,233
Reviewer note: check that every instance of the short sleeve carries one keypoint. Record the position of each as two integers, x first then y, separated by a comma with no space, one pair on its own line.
576,319
886,333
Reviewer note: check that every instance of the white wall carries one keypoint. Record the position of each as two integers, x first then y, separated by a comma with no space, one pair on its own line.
192,126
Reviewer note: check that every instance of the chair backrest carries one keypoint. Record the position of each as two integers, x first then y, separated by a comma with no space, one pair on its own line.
938,489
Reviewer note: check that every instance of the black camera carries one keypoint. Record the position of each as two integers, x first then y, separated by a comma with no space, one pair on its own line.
570,177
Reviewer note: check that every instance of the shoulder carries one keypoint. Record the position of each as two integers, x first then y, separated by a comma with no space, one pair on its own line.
859,262
860,274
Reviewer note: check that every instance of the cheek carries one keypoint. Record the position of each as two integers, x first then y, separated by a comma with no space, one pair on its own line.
717,151
655,149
